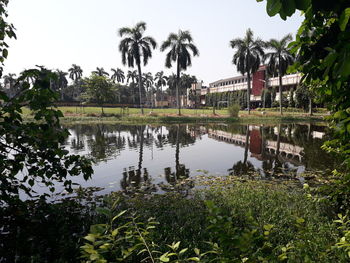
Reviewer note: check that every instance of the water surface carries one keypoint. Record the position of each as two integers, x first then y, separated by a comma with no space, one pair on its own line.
157,157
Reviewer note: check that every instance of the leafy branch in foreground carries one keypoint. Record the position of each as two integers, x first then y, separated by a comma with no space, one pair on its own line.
32,152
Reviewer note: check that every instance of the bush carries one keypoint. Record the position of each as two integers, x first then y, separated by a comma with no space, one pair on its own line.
233,110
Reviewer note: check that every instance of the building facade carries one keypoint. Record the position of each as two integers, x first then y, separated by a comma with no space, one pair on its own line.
259,82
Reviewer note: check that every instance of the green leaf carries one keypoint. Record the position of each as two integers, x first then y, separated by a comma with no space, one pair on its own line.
302,4
119,215
288,7
103,211
194,259
90,238
176,246
183,251
5,53
344,19
164,258
273,7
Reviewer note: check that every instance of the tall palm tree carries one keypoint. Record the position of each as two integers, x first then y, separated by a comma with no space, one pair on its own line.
248,56
100,72
118,75
279,59
179,44
148,82
160,81
75,72
134,47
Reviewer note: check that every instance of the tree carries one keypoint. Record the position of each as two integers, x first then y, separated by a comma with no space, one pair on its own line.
248,56
135,46
279,59
34,148
132,75
118,75
148,83
160,81
60,83
99,89
75,72
9,83
100,72
7,32
180,46
323,51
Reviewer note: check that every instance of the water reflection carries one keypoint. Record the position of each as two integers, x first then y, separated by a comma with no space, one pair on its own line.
152,158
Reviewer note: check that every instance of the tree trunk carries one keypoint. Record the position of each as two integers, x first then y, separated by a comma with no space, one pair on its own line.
310,106
139,165
246,147
248,92
280,82
177,152
178,87
162,96
140,86
102,110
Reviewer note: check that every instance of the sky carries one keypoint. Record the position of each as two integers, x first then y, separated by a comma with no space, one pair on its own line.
59,33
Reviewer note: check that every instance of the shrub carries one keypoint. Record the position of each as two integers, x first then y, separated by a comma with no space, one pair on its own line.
233,110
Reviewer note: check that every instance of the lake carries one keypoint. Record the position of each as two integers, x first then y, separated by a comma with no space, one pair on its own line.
155,158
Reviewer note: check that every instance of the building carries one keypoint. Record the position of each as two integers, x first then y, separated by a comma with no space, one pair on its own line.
258,84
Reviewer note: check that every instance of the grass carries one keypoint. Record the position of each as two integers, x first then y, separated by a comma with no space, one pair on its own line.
133,116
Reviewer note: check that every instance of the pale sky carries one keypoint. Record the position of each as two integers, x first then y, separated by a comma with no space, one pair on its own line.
58,33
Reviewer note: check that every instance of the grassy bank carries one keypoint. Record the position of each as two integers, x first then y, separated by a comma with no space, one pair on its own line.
163,116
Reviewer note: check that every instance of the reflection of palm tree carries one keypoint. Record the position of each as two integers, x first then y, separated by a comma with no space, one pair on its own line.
243,168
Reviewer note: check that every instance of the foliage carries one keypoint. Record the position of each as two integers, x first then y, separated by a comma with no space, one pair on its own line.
322,47
31,152
129,240
39,231
250,222
7,31
99,89
233,110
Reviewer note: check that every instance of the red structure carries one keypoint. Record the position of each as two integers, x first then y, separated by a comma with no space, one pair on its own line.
255,142
258,81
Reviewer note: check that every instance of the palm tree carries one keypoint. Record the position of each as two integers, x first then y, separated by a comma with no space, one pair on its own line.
134,46
248,56
148,82
118,75
75,72
160,81
61,83
100,72
279,59
179,45
132,75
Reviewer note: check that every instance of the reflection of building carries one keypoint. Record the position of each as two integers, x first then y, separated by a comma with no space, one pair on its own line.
257,84
257,145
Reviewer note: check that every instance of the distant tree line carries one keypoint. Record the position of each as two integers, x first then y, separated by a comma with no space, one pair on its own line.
109,87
